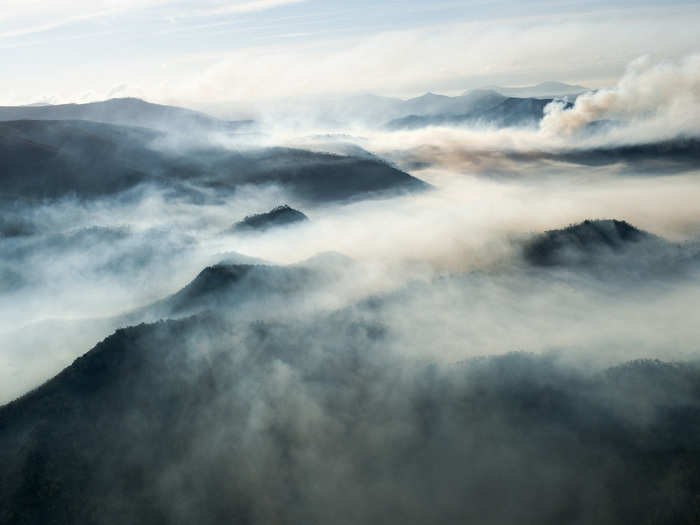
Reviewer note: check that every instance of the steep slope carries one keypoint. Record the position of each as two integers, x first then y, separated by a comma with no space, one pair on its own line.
236,286
256,410
87,165
199,420
251,289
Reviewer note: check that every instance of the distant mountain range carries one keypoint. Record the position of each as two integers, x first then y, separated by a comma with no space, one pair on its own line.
128,112
485,108
374,110
432,104
493,106
543,90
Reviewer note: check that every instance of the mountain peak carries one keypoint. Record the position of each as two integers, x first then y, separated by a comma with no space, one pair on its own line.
577,242
480,93
554,84
279,216
547,89
428,96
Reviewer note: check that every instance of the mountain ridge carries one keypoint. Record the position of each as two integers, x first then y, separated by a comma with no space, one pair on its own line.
547,89
55,158
125,111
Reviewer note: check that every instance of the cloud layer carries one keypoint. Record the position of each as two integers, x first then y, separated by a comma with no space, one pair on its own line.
203,53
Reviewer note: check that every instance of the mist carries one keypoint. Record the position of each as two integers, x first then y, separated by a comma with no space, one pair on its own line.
472,308
94,262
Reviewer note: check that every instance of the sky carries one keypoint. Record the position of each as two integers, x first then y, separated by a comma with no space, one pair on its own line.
216,51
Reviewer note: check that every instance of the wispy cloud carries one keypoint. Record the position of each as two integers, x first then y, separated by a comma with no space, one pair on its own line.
245,7
20,19
192,51
444,57
49,26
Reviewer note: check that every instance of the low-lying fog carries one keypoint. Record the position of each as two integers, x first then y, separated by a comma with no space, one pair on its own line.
472,322
74,259
81,260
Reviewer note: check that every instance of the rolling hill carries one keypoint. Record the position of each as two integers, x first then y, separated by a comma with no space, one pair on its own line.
48,159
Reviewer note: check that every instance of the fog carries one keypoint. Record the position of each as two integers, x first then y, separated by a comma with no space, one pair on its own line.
519,324
100,259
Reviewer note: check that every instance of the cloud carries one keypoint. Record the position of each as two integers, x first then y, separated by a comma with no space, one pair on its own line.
452,56
340,57
26,18
21,18
245,7
40,28
111,255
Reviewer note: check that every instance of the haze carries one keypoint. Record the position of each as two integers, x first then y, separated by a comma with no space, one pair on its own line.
304,261
188,53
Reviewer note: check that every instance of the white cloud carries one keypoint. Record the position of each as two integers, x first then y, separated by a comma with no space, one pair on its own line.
575,48
245,7
20,18
48,26
585,48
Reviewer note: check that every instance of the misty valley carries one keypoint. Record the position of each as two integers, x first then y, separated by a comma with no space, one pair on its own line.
479,308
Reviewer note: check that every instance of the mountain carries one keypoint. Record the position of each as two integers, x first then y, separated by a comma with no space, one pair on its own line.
677,155
543,90
612,248
332,112
580,242
253,404
495,112
127,112
88,159
373,110
200,420
241,286
53,158
432,104
280,216
15,226
250,289
667,156
339,112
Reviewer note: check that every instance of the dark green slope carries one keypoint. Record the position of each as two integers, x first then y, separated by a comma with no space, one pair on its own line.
211,421
55,158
